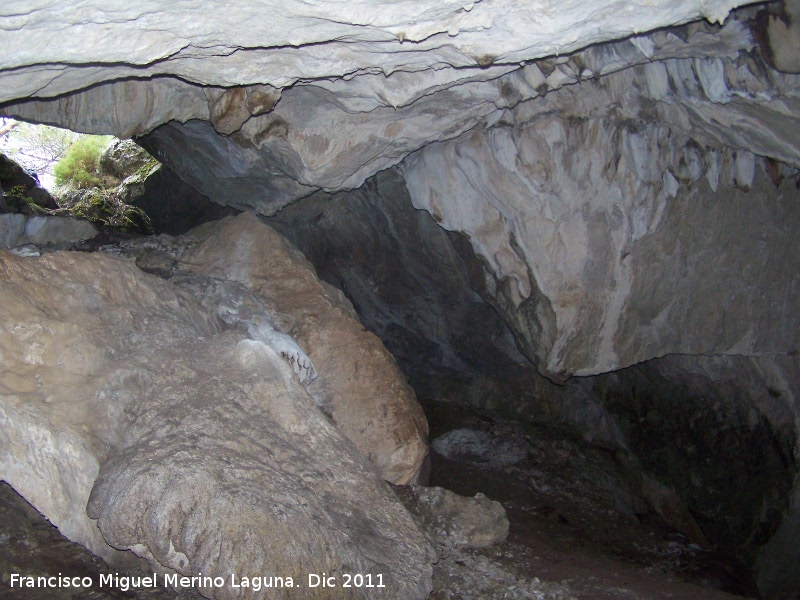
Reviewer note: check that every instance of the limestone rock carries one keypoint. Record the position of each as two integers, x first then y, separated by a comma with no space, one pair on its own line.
58,427
331,121
123,158
454,520
480,447
299,41
195,448
18,230
572,219
56,230
782,36
173,206
12,228
414,285
358,382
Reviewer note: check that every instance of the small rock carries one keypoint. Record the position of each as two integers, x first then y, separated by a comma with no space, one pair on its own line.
454,520
480,445
26,251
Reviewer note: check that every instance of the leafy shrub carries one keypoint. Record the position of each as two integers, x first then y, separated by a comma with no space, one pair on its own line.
80,166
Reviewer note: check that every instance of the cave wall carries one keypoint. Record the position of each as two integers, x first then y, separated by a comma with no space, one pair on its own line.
411,283
716,436
574,176
606,218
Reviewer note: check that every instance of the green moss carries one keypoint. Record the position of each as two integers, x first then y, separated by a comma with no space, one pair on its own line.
146,169
18,200
104,208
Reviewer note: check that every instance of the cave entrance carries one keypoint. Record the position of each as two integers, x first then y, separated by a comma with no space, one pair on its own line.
112,183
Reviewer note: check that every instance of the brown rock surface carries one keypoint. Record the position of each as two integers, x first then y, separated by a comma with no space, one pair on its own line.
358,383
195,448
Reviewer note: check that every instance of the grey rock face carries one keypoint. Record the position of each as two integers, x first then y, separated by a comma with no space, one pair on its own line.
480,447
12,228
19,230
173,206
414,285
327,40
54,230
575,216
328,122
123,158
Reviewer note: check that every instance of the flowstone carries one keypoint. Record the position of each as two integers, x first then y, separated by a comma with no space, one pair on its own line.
123,399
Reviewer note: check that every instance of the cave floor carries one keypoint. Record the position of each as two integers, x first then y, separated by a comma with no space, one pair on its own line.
564,540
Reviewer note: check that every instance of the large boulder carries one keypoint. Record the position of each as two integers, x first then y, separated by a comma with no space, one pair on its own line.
358,382
196,448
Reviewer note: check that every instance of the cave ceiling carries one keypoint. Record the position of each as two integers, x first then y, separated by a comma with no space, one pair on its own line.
566,140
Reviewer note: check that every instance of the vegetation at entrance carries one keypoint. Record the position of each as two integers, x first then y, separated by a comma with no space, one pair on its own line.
17,199
36,148
80,167
82,172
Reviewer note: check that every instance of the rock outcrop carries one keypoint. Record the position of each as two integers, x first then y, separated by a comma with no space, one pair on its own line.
19,230
412,284
678,426
20,192
194,447
328,112
171,205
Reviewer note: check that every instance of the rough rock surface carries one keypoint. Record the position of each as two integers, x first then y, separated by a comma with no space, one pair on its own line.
358,382
337,110
302,42
677,425
643,124
16,185
173,206
679,411
19,230
454,520
575,203
414,285
195,448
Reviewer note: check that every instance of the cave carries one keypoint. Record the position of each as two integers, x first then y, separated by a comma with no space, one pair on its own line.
531,265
